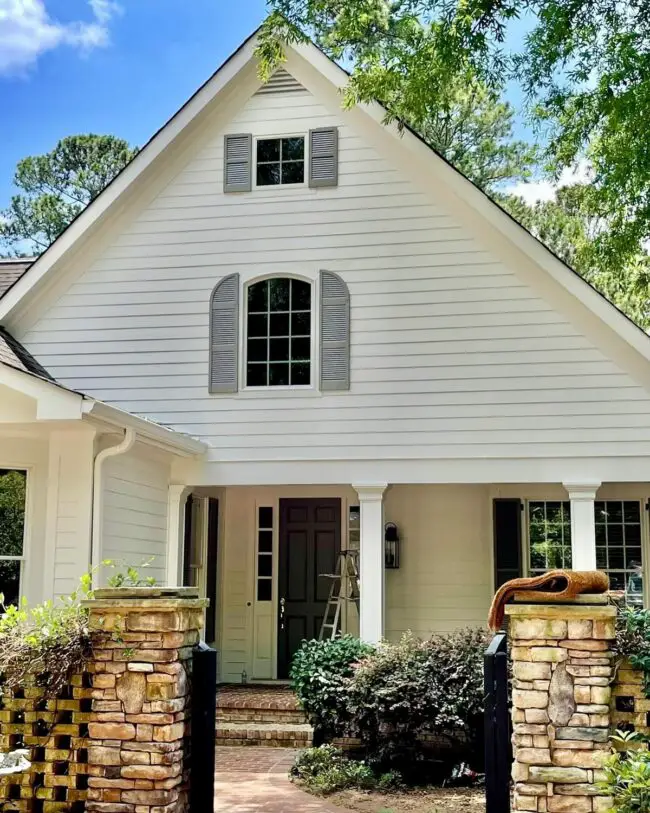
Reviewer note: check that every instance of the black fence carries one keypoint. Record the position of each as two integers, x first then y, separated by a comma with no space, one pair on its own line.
498,749
204,710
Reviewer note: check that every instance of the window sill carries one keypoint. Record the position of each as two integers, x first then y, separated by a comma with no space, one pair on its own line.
279,392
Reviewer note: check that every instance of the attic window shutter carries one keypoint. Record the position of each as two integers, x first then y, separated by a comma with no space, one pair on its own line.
224,335
324,157
507,540
334,332
237,162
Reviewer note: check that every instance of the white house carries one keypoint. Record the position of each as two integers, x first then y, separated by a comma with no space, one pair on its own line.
311,325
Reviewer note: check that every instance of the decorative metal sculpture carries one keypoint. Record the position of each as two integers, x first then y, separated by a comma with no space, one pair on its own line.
14,762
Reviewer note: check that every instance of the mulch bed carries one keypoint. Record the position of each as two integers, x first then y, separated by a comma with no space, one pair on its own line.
429,800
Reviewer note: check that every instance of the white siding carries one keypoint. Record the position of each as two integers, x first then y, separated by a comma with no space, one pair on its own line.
135,513
452,355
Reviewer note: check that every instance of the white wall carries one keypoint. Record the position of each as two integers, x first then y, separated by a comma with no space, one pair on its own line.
134,518
452,354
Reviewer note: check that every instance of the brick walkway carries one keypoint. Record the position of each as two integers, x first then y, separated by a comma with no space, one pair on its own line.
254,780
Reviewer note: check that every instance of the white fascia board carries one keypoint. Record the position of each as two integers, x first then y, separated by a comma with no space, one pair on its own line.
147,431
53,402
116,189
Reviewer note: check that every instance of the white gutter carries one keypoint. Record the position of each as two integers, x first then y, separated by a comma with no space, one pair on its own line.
96,535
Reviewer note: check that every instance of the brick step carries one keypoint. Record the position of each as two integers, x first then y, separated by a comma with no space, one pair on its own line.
260,715
271,735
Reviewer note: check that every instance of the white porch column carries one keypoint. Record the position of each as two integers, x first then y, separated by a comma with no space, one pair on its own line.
583,525
371,561
176,497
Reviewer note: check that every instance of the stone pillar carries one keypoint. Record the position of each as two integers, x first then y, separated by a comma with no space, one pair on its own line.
140,700
583,525
371,562
562,670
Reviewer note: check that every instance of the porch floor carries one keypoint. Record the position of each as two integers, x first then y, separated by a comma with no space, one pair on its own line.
260,715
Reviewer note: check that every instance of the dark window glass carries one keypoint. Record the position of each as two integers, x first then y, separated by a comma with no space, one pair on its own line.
619,550
264,565
264,589
12,530
265,541
256,375
280,161
268,149
10,581
265,517
632,511
278,344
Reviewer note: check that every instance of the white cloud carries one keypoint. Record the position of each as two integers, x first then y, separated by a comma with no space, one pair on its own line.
534,191
27,31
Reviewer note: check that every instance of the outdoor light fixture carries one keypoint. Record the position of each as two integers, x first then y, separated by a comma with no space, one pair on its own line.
391,543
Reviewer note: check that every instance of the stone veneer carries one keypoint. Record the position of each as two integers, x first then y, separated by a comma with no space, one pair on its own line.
137,734
562,673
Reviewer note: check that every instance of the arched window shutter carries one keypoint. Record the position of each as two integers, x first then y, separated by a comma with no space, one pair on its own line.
334,332
224,334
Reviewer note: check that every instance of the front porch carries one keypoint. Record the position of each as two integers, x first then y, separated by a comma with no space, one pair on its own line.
262,550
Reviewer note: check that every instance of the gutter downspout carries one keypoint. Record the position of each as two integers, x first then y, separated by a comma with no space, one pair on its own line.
113,451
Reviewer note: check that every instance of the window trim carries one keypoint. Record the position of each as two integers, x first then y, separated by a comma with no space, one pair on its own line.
314,370
25,559
267,137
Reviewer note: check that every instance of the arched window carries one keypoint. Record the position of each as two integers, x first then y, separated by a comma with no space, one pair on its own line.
278,333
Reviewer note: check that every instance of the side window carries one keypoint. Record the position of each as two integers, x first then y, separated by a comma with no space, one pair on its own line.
618,546
549,535
278,333
280,161
12,533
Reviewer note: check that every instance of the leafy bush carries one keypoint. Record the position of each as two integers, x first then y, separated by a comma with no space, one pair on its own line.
633,640
320,675
327,770
415,687
45,643
627,781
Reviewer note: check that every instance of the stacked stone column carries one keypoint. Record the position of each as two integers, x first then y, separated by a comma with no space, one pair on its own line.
137,750
562,673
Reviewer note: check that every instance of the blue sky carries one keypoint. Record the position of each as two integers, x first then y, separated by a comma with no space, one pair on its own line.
107,66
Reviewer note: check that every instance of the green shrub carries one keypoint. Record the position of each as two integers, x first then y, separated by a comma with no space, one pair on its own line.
327,770
633,640
628,781
415,687
320,675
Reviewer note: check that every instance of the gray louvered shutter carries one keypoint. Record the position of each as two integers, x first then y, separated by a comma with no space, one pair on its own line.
237,162
224,335
334,332
324,157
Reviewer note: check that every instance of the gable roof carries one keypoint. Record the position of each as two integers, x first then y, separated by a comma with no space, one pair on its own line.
12,269
15,355
626,342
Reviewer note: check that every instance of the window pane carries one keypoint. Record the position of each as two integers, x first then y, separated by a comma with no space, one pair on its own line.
601,558
264,589
256,375
257,350
257,324
265,541
300,349
300,295
632,511
10,581
264,565
268,149
265,518
300,373
268,174
293,149
279,350
258,297
616,558
278,375
549,533
300,324
615,534
614,512
12,512
632,534
279,294
279,324
293,172
632,558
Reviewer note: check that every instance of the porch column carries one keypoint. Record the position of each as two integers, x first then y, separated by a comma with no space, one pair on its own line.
583,525
371,562
176,497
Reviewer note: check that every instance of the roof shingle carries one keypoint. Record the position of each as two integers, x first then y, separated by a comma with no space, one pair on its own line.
12,269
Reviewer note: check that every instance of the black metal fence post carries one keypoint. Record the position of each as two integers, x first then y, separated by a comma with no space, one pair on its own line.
204,710
498,751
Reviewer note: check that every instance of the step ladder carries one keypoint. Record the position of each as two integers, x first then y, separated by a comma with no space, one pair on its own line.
344,589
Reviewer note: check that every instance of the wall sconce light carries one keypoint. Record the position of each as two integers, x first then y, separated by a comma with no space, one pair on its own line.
391,543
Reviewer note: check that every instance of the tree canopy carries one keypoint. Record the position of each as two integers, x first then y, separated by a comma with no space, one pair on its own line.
55,187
